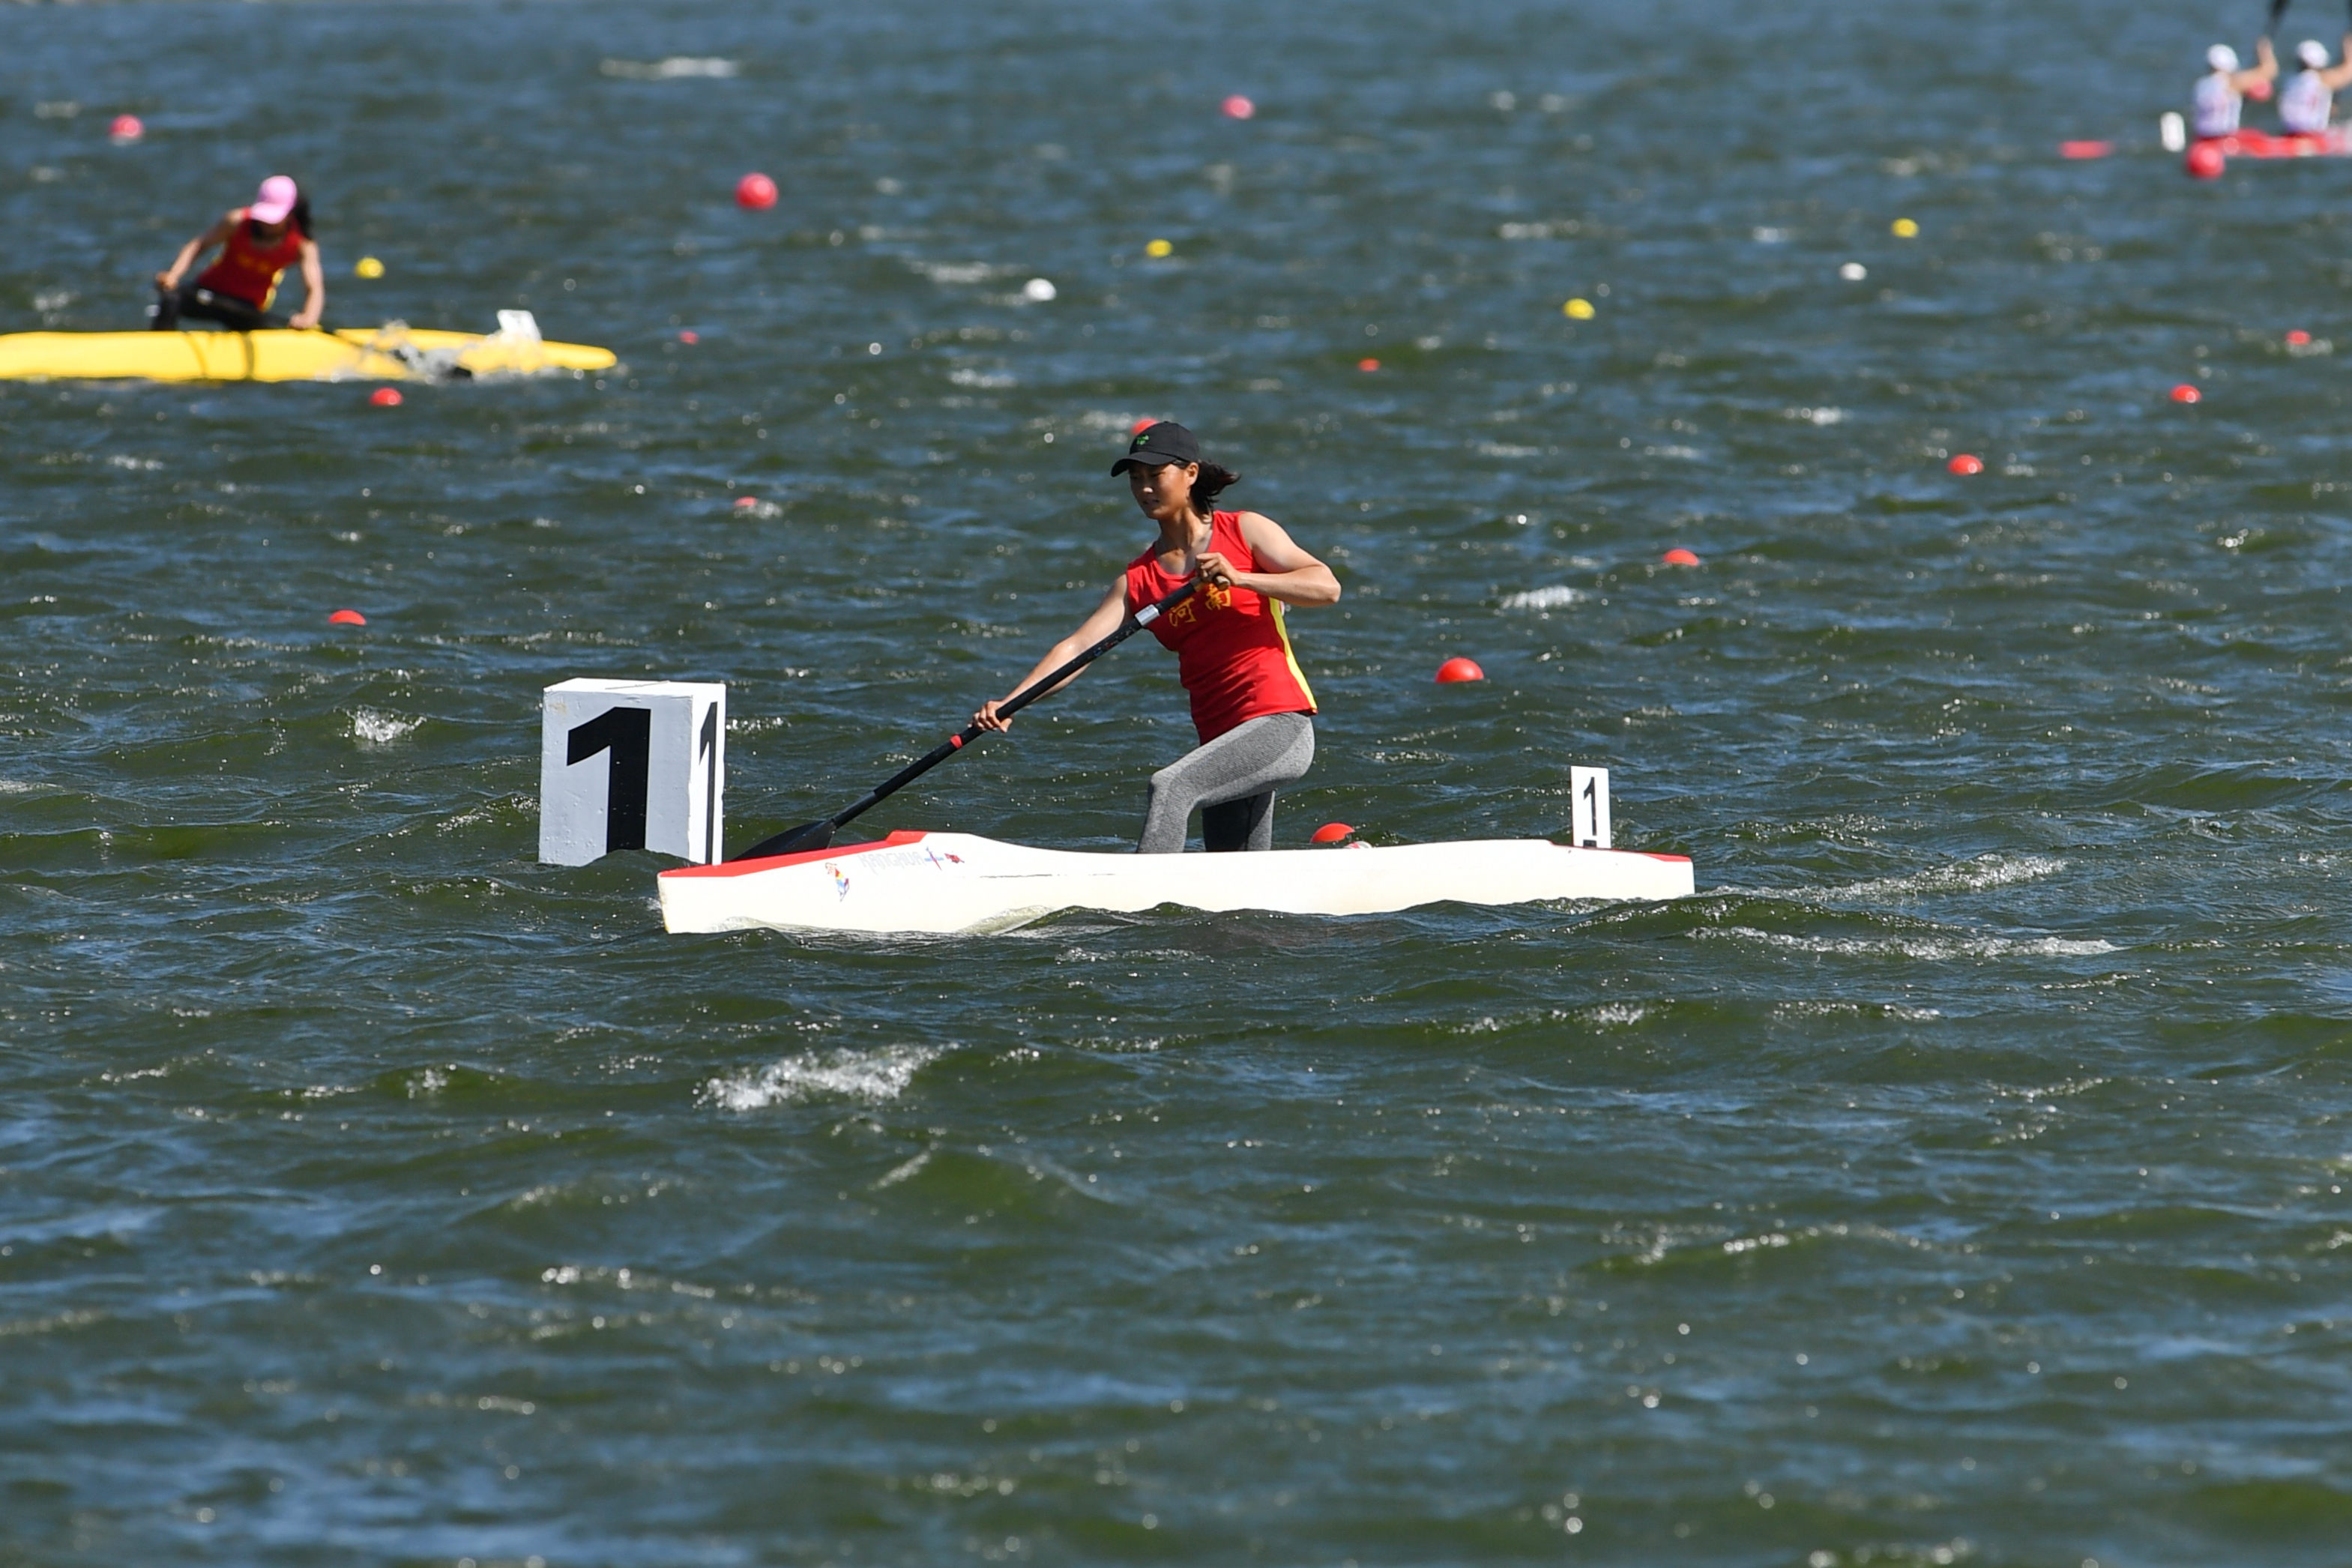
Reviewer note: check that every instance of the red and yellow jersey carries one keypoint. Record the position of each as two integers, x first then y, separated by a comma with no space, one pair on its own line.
249,270
1232,650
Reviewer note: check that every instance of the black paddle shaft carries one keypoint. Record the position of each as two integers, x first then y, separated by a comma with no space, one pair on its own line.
2278,9
818,835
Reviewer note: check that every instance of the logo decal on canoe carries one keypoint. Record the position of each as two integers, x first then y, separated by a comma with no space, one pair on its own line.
839,881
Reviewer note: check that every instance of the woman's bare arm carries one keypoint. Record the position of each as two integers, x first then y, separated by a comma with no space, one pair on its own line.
2255,79
2338,74
1107,619
216,235
1289,574
314,288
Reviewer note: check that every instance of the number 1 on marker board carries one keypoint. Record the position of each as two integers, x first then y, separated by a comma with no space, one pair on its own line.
1588,816
625,734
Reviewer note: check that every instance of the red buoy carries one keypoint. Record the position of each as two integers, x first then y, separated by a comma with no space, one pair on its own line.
2084,148
755,192
2186,393
347,618
1966,463
1140,426
1368,365
741,501
2297,338
125,128
1678,556
1459,669
1238,107
385,397
690,337
1331,833
2205,160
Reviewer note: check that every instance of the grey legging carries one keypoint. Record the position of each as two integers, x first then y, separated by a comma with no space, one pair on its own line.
1230,780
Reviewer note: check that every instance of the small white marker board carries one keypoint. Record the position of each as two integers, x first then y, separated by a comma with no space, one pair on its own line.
631,764
1587,815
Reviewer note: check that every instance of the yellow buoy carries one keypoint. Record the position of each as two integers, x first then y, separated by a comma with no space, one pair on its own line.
1904,228
1577,310
1159,247
369,267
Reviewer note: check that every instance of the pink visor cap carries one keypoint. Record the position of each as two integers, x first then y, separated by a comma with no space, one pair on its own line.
273,200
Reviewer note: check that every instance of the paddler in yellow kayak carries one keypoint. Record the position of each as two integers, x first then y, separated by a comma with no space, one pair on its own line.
257,244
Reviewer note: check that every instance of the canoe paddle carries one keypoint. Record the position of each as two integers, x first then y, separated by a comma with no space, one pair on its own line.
2278,9
819,834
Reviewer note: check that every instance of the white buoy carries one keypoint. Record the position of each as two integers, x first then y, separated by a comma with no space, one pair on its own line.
1853,272
2172,131
1039,288
631,764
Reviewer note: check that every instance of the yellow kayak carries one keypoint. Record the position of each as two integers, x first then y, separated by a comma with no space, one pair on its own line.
391,352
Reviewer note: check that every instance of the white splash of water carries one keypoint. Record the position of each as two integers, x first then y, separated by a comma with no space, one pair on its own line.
875,1077
371,728
670,70
955,271
904,1173
1990,870
1550,598
1739,1244
1929,948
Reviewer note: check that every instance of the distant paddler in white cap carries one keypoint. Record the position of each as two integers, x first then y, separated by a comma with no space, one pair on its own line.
2309,97
2224,89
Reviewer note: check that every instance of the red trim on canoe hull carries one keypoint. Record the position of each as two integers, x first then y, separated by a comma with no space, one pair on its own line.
770,862
2262,145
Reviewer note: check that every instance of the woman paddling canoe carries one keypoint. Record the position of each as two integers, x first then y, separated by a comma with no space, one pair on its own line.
257,243
1250,700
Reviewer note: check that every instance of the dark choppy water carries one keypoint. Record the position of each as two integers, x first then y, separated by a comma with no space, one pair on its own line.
1957,1179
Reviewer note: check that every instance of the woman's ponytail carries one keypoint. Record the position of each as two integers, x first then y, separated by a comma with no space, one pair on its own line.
1214,481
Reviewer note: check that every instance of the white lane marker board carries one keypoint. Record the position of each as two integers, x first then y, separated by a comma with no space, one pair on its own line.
631,764
1588,813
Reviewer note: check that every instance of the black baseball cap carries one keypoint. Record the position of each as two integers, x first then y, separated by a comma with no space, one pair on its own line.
1157,445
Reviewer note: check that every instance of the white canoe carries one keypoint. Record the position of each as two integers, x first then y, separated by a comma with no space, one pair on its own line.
942,883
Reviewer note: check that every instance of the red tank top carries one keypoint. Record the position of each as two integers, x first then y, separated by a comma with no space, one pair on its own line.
249,270
1232,651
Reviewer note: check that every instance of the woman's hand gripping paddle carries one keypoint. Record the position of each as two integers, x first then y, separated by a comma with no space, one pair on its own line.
819,834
